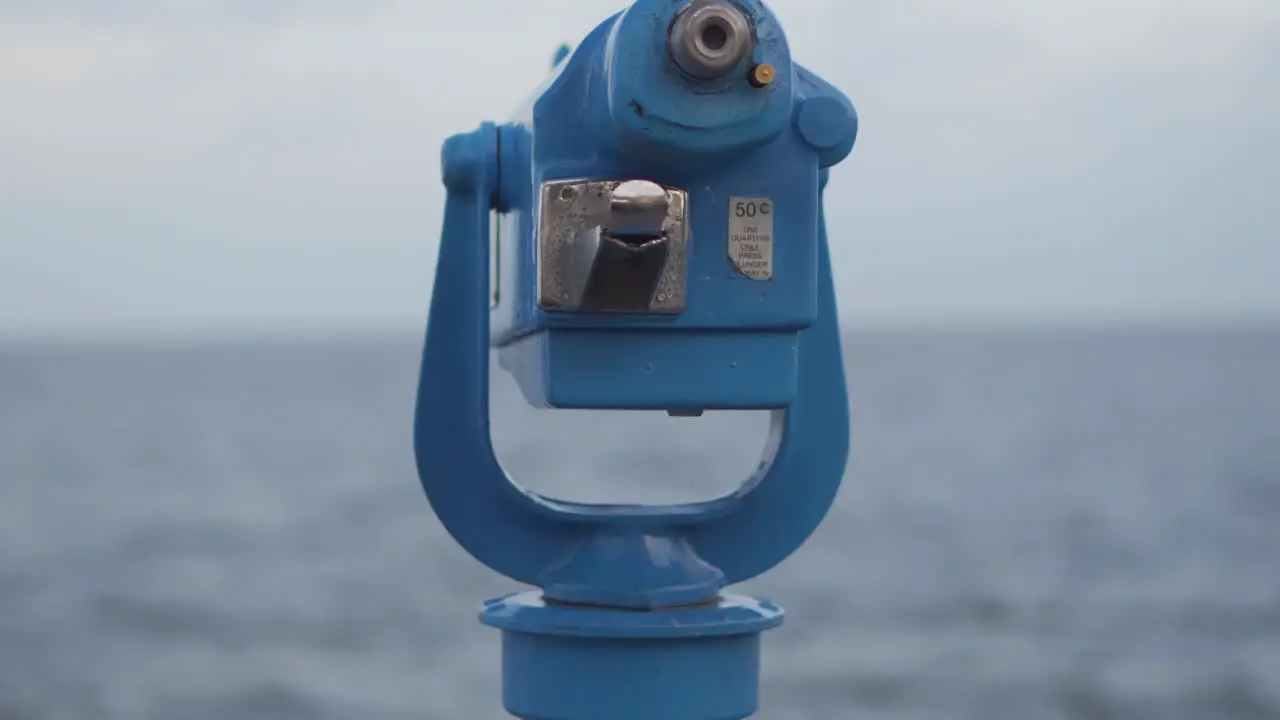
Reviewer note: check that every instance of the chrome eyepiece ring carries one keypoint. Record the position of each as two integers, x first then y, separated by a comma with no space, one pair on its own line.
710,38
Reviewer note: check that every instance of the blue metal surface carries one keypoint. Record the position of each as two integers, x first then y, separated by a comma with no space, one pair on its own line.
575,662
630,619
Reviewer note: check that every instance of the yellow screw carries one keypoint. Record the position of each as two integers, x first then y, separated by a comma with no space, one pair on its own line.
762,75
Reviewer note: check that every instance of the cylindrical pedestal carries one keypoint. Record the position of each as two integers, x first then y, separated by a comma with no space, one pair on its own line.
564,662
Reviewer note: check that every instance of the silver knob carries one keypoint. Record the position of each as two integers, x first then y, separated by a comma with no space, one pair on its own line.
637,208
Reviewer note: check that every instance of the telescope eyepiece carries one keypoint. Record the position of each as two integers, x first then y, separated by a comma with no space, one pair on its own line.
710,39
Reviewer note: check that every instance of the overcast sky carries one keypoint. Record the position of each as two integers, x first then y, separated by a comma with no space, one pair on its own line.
259,165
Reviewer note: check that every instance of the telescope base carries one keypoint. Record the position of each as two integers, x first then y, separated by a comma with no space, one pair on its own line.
564,662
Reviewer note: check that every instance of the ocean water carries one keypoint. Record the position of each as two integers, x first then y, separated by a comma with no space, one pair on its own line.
1034,525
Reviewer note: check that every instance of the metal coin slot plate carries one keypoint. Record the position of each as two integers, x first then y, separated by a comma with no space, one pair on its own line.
568,207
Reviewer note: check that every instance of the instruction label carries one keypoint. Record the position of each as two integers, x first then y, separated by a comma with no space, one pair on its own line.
751,236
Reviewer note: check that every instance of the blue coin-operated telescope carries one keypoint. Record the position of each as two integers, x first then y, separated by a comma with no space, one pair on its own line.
658,243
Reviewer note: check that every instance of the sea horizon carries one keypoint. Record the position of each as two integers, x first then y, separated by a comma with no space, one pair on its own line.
383,332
